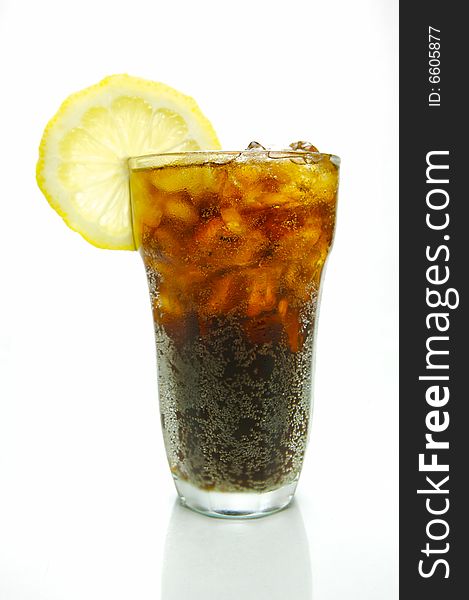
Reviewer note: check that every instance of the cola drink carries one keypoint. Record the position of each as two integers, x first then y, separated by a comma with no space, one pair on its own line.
234,245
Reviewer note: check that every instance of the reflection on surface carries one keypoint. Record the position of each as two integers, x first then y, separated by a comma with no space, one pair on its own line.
218,559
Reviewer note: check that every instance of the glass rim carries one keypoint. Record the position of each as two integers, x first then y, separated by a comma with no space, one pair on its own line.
148,161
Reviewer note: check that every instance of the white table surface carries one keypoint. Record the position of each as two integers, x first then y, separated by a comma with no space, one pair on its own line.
88,509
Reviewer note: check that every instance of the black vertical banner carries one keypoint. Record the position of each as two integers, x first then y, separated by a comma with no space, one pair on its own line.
434,269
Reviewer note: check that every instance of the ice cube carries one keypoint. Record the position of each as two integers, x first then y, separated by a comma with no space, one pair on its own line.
232,219
302,145
167,304
152,216
219,296
255,146
262,292
178,207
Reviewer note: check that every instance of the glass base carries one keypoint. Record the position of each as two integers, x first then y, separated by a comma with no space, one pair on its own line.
234,505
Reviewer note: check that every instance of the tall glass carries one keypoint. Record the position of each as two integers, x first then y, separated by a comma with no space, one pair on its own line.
234,245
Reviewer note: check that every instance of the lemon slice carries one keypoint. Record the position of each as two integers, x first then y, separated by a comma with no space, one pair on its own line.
82,167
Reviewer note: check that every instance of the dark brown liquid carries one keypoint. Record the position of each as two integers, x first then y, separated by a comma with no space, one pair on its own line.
234,410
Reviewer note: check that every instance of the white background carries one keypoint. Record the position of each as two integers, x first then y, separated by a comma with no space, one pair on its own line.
87,505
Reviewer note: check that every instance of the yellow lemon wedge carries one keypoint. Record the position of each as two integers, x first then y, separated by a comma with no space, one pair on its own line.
82,167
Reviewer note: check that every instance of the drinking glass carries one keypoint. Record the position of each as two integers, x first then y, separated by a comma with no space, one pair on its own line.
234,245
